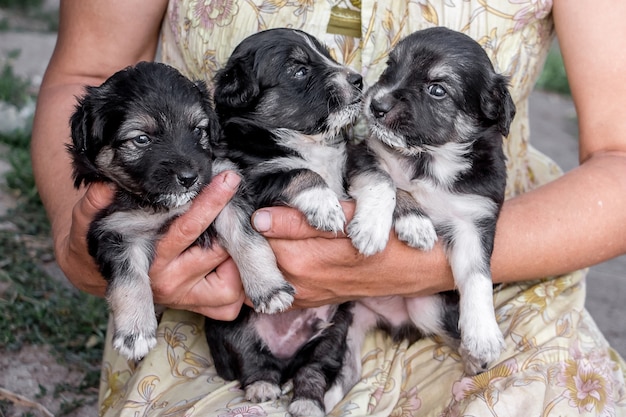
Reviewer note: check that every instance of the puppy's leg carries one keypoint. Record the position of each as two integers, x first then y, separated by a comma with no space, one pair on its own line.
375,194
363,321
262,280
239,353
323,363
126,264
469,246
308,192
412,225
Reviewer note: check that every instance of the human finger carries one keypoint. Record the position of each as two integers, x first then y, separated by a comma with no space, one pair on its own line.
218,294
184,231
289,223
72,252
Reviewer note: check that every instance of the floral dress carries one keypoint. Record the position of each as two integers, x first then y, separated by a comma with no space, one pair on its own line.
556,361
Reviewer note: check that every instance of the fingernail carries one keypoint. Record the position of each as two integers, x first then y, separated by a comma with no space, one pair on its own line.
262,221
232,180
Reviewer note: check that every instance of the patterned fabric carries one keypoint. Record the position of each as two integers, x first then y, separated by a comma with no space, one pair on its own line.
556,363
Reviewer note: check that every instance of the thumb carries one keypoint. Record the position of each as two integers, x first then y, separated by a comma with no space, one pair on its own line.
97,197
289,223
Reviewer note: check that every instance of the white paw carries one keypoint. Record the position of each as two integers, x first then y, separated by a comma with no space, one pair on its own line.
261,391
369,235
276,301
322,209
134,345
481,347
305,408
416,231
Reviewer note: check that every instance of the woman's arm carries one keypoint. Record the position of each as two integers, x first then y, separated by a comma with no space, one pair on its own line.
96,39
576,221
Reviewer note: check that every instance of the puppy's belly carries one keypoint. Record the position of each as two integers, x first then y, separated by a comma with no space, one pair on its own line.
392,308
285,333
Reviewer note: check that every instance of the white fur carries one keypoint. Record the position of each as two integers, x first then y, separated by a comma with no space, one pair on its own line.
337,121
130,294
481,338
305,408
364,320
262,280
261,391
449,161
416,231
371,224
321,208
176,200
327,160
426,313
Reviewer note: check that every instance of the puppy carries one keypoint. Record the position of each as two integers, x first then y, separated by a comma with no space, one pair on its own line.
283,103
433,168
149,130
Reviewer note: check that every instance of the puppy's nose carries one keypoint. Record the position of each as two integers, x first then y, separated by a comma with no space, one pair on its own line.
356,80
381,106
186,178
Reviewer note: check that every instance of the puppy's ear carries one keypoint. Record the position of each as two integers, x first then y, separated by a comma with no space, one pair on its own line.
80,149
214,128
236,85
498,105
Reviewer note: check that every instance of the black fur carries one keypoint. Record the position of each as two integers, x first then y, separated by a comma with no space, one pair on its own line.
158,165
151,132
283,103
435,162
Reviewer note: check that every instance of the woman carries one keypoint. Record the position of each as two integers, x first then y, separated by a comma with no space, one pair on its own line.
551,224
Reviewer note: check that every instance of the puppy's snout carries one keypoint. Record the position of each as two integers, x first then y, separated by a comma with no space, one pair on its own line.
187,178
381,106
356,80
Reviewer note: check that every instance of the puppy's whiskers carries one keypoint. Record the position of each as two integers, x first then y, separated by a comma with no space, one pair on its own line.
175,200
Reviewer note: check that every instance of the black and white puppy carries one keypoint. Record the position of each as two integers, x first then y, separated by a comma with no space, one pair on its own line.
283,103
434,168
150,131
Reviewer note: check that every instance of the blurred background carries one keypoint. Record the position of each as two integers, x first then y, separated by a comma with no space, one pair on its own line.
51,335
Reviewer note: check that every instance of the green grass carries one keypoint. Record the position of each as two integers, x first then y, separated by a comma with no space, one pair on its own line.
14,89
35,308
553,77
20,4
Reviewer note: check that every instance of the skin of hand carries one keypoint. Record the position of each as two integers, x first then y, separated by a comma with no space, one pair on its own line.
573,222
87,52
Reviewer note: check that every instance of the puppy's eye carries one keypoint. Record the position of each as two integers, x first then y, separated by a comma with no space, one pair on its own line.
437,91
142,140
301,72
200,132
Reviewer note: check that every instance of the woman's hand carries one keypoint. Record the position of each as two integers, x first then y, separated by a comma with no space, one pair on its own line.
326,268
183,276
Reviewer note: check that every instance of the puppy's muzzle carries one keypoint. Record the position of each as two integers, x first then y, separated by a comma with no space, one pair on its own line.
187,178
356,80
381,106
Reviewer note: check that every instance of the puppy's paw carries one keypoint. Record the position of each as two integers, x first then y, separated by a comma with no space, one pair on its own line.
274,301
322,209
261,391
370,235
304,407
134,345
416,231
481,349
